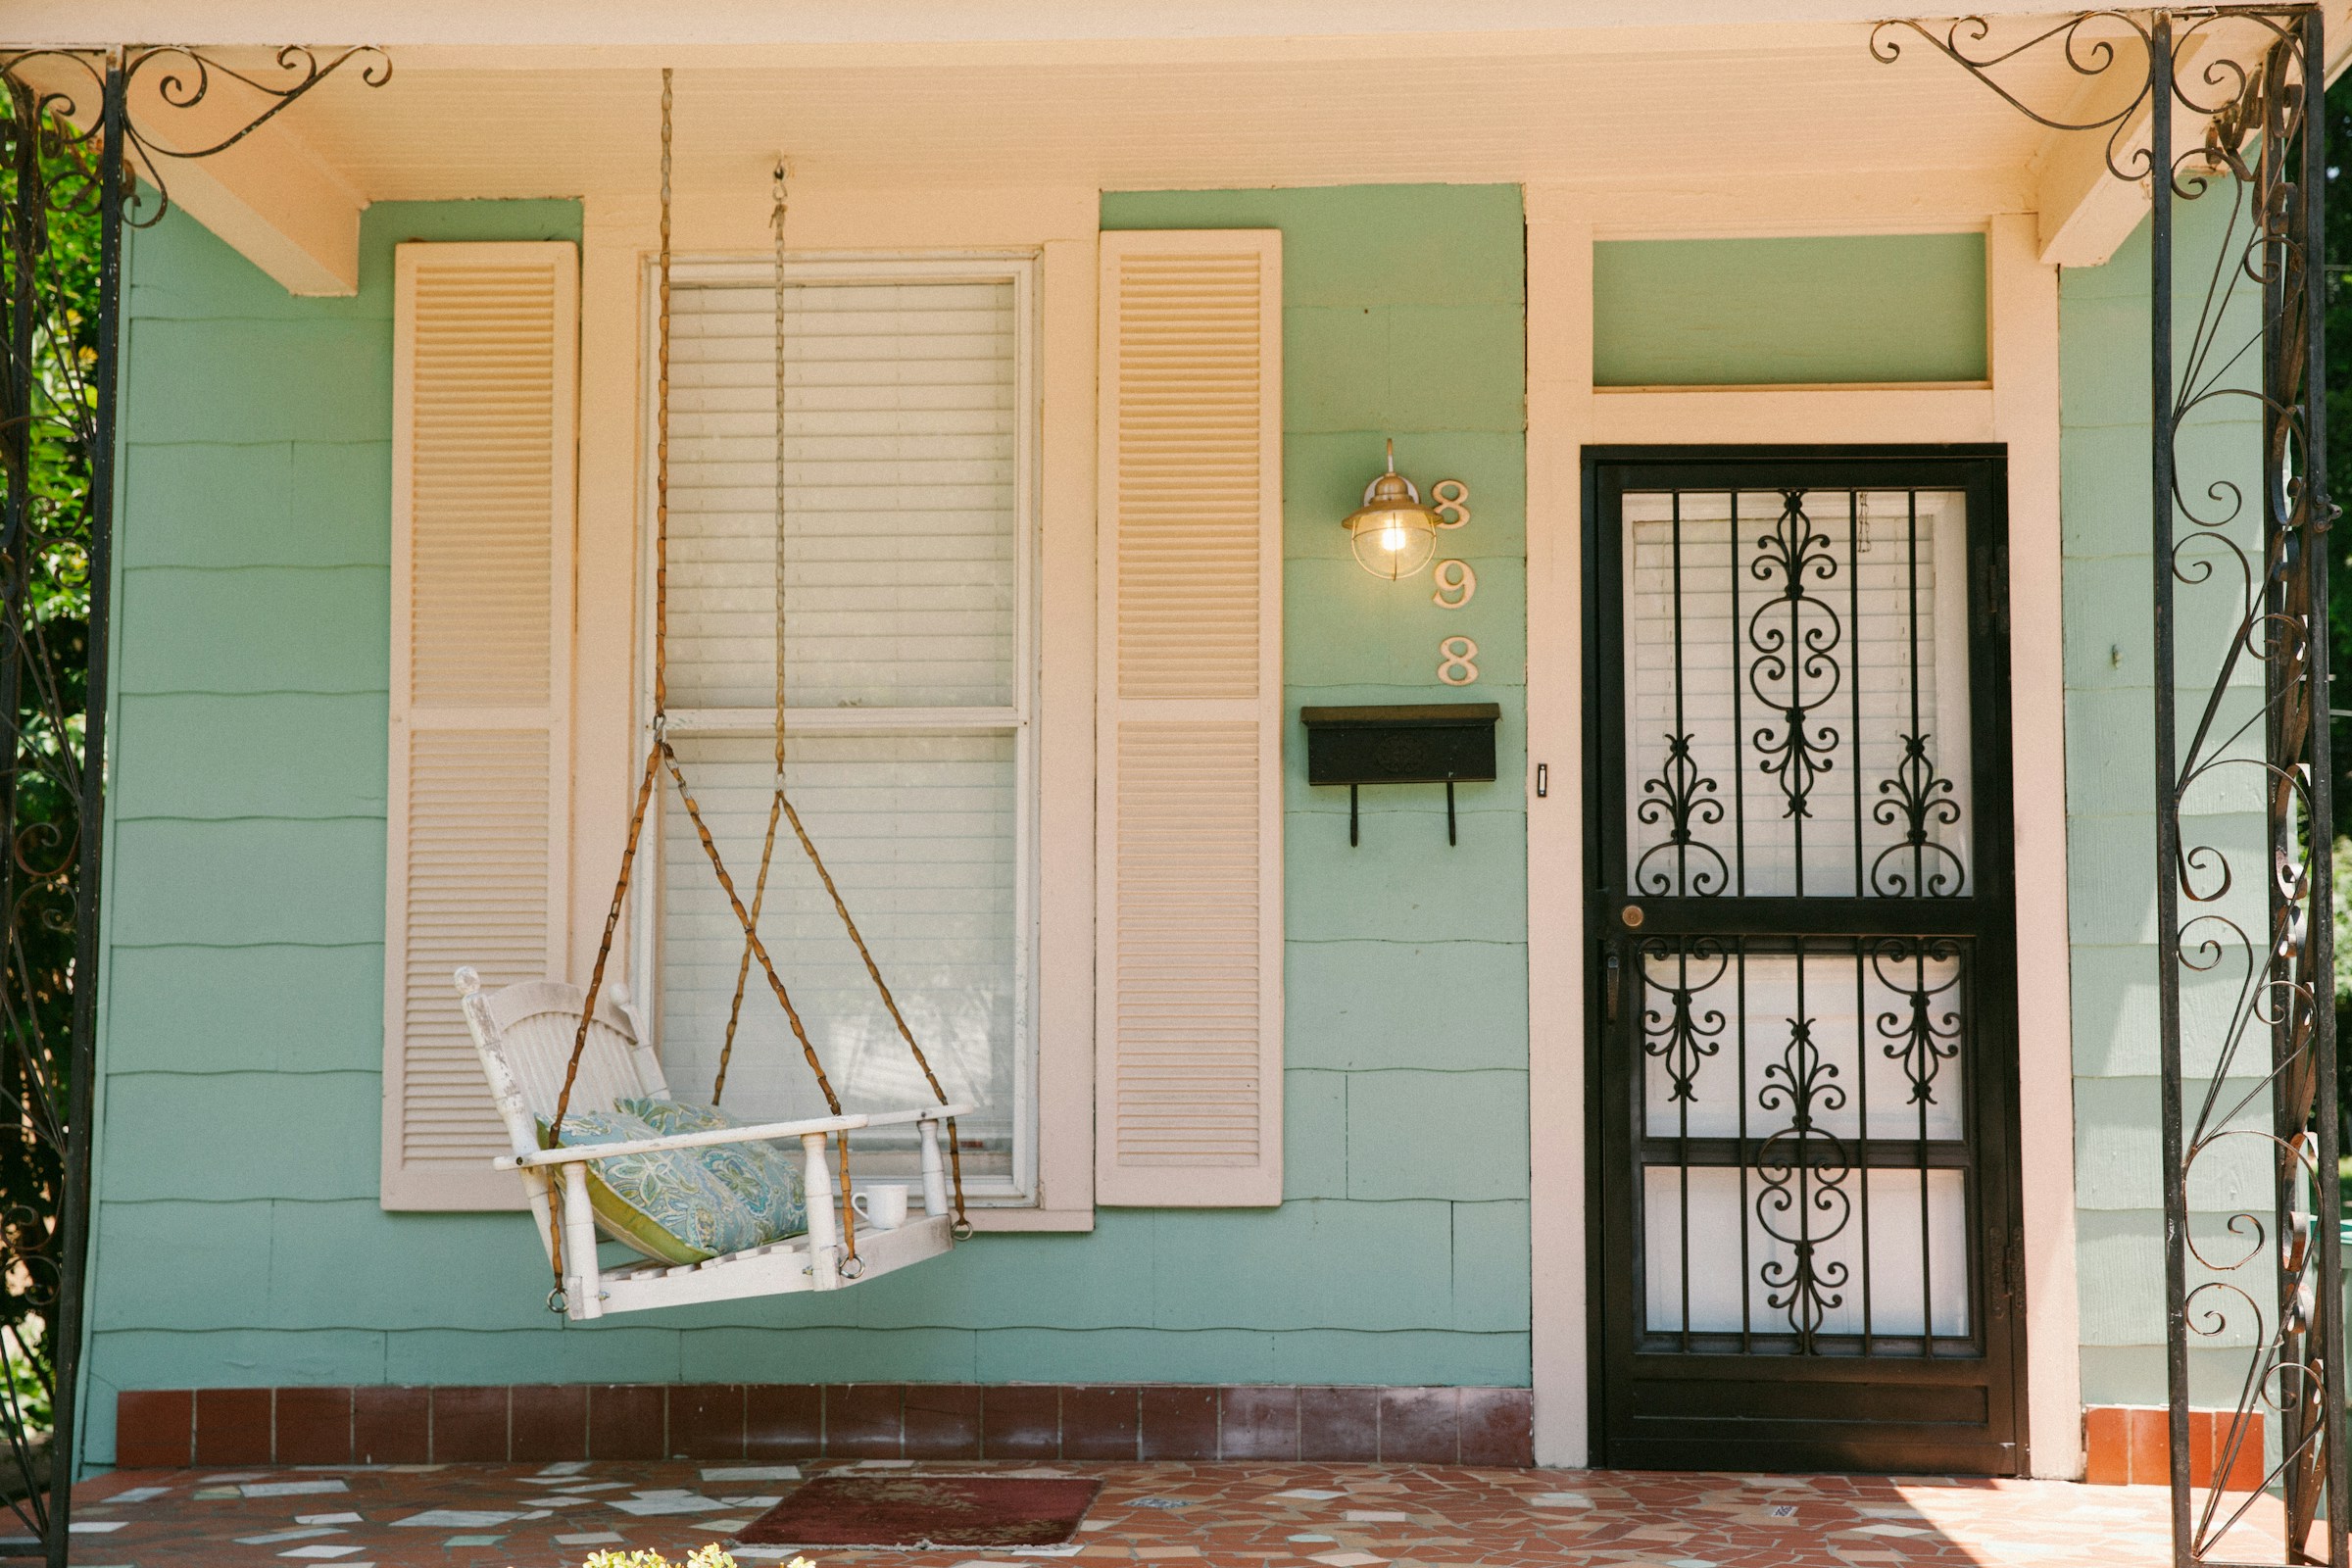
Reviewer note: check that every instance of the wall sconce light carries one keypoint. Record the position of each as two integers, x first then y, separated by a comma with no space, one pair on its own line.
1394,535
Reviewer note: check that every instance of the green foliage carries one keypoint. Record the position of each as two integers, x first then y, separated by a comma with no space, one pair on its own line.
50,242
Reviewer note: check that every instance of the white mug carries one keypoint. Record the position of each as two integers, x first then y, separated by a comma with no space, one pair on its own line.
884,1204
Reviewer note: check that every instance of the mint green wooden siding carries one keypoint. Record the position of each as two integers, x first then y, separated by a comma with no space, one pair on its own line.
239,1241
238,1237
1777,311
2110,691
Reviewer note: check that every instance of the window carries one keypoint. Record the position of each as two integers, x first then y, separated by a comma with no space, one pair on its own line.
910,424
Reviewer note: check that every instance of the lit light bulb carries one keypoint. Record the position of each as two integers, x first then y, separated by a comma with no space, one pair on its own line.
1393,534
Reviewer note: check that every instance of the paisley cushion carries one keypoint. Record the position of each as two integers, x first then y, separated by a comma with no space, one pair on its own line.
767,1177
667,1203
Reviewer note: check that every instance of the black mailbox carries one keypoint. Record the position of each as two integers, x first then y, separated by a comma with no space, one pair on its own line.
1418,743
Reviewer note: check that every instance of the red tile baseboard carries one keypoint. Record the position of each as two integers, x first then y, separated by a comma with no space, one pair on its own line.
527,1423
2128,1446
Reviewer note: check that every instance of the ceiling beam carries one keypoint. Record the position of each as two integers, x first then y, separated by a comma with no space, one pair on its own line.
279,204
269,196
2085,209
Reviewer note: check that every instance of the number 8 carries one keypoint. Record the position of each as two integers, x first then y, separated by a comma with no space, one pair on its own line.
1455,577
1449,498
1455,655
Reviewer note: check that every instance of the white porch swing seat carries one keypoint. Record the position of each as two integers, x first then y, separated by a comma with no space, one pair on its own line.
549,1048
524,1034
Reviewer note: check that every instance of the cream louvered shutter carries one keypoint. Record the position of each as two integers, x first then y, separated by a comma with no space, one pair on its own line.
485,379
1189,1081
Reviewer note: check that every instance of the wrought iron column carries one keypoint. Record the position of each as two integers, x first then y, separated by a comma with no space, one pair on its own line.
81,1087
86,142
2242,730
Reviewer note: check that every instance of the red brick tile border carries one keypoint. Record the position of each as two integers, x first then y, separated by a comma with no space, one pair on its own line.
2129,1446
536,1422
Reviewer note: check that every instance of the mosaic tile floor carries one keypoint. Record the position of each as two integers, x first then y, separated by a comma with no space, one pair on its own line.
1230,1515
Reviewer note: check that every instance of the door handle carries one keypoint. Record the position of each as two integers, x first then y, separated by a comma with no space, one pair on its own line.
1610,987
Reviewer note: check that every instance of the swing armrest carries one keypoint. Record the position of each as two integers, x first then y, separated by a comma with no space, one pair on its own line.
900,1118
574,1154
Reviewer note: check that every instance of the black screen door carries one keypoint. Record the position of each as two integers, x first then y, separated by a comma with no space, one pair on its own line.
1803,1004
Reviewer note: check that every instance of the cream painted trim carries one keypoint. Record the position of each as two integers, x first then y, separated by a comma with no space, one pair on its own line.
2018,410
731,29
1560,414
1059,225
1065,740
605,744
1815,416
2024,296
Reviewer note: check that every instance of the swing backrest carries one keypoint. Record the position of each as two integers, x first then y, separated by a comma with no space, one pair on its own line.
524,1034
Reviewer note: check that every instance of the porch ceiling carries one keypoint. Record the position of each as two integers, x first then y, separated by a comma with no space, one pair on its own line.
1285,115
1707,124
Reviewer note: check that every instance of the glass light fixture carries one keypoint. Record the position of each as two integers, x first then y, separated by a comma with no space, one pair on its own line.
1392,533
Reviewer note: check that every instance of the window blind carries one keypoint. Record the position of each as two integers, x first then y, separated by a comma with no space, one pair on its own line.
903,648
899,466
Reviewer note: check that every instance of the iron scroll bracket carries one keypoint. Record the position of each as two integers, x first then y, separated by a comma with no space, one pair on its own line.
1422,743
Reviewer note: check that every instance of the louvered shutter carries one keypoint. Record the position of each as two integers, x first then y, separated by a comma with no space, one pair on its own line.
485,378
1188,977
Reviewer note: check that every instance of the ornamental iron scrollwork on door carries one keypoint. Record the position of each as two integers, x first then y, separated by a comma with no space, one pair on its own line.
1924,1033
1805,1123
1802,1106
86,144
1803,1168
2213,113
1678,1031
1793,638
1783,754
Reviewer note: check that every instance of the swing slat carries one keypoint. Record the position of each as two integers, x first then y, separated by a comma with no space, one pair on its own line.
571,1154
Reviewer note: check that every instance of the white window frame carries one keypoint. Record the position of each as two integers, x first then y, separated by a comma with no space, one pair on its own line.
1021,269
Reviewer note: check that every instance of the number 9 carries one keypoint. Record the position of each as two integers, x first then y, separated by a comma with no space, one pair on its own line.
1455,577
1455,655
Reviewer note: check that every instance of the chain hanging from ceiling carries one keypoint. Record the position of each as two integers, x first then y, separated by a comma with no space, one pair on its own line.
2218,113
87,137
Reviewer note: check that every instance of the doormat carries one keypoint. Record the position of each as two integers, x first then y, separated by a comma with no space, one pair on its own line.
905,1510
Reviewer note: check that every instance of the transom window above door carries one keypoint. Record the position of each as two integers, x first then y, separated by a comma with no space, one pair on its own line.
908,661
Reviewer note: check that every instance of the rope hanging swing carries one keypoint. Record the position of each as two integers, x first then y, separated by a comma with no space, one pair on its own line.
662,758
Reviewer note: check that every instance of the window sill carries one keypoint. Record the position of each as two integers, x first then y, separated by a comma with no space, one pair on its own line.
1031,1219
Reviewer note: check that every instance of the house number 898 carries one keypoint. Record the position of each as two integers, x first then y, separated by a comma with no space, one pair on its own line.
1456,658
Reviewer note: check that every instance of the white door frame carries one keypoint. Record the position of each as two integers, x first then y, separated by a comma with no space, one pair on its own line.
2019,409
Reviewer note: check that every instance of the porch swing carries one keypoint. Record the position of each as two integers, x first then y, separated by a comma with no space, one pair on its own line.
718,1211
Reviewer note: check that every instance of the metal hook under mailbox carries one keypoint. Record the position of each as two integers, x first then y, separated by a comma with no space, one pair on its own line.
1431,743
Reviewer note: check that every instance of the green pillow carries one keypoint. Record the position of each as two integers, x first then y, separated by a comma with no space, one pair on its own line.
665,1203
765,1177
